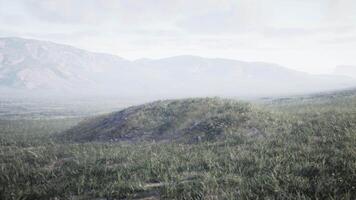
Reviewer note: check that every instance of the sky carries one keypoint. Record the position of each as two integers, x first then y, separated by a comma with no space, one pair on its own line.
308,35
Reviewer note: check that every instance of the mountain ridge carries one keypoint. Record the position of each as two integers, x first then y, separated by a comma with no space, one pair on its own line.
44,66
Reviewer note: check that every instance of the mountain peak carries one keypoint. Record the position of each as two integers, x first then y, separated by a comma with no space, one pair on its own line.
36,65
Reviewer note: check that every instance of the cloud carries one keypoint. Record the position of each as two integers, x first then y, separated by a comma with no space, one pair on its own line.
340,40
341,11
275,30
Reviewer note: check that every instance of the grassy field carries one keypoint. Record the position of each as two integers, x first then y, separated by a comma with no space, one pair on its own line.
310,155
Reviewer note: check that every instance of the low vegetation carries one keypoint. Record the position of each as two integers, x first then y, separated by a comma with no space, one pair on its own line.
187,121
308,151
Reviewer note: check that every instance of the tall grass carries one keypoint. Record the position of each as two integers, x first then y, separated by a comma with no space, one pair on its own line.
311,156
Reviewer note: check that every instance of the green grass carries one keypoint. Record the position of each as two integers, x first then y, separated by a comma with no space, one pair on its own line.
311,155
27,132
185,121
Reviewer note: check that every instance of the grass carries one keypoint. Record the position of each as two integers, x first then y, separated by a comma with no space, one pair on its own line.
187,120
311,155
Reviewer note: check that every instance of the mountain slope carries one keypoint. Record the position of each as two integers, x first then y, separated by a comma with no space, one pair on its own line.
38,66
346,70
32,64
236,78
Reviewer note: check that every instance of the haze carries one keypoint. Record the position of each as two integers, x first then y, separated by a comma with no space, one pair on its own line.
307,35
177,99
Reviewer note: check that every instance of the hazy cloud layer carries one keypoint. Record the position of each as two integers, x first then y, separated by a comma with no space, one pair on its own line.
310,35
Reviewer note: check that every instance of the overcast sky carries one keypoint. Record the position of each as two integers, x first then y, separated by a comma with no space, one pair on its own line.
308,35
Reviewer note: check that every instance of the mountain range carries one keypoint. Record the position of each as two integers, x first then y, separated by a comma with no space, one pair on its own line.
40,67
346,70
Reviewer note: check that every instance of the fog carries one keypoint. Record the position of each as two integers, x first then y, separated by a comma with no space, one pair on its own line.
39,68
177,99
176,49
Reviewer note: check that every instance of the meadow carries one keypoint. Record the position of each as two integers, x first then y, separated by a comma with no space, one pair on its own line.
310,155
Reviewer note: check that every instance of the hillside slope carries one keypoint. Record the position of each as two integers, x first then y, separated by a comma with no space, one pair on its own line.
188,120
312,156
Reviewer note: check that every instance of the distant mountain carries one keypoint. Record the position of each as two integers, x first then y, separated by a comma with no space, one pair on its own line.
346,70
39,65
32,66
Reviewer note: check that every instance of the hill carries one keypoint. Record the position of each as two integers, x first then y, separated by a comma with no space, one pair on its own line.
302,147
36,67
187,120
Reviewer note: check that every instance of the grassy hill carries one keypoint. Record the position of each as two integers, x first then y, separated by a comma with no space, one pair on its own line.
292,148
187,120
